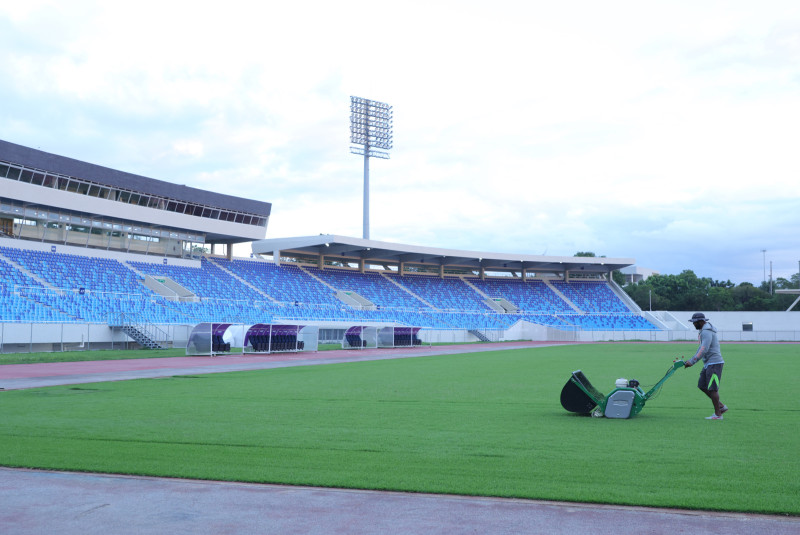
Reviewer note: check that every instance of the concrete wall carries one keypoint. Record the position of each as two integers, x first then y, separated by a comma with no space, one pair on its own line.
732,321
767,327
46,337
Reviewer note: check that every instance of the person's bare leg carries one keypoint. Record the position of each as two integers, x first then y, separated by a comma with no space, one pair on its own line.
715,401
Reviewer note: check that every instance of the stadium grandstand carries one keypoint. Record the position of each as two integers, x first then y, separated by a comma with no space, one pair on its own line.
92,257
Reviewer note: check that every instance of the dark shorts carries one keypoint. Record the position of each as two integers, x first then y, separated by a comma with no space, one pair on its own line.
710,378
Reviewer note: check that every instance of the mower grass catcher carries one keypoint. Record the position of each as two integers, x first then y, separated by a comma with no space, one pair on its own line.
625,401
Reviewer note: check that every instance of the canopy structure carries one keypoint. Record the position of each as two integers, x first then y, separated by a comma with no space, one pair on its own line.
365,337
399,337
269,338
360,337
209,339
367,252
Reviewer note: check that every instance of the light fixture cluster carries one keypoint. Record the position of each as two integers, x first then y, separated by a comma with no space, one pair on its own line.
371,127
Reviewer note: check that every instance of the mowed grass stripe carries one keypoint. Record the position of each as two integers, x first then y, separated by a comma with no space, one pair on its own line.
475,424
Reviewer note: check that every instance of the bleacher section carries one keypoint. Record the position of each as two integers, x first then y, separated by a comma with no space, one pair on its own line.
531,296
591,296
373,286
37,286
444,294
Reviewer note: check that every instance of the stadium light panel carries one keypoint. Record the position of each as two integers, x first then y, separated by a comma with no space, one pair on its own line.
370,137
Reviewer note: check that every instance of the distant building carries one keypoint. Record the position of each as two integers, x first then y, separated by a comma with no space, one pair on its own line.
634,274
54,199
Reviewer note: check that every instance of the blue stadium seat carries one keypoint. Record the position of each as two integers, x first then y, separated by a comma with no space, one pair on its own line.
86,289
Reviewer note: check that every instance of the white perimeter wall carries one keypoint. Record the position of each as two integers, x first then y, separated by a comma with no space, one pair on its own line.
732,321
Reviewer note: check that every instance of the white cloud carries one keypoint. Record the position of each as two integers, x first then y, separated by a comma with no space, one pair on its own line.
623,128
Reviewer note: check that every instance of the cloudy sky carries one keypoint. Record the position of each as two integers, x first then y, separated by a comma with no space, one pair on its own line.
666,132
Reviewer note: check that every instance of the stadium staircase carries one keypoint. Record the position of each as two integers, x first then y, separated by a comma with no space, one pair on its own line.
348,297
562,296
307,272
27,272
145,335
486,299
141,337
219,265
660,321
355,300
665,320
391,279
498,304
170,289
479,335
625,298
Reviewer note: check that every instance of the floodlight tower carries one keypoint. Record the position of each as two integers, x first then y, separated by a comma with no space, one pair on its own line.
370,127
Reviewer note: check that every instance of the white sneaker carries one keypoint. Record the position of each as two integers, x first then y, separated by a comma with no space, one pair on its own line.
713,417
723,409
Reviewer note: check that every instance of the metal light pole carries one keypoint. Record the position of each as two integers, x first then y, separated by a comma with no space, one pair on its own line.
764,252
370,127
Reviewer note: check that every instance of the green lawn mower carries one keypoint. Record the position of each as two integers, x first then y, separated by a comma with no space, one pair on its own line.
625,401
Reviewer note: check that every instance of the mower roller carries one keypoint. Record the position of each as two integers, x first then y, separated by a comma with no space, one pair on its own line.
625,401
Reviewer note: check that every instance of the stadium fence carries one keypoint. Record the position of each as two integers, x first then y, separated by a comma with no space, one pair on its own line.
55,337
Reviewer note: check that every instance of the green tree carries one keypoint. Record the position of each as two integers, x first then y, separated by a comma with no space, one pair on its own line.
687,291
720,298
748,297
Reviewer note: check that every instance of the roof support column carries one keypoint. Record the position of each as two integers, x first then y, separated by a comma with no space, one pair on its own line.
321,262
441,271
361,265
276,257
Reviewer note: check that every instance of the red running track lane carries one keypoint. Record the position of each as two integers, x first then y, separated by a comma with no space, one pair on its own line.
19,376
52,369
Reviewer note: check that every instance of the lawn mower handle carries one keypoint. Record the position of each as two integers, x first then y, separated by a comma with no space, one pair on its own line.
675,366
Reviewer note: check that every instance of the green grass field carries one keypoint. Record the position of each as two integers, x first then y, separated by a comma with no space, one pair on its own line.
474,424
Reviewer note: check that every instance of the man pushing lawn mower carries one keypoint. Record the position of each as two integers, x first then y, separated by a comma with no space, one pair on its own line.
627,400
712,363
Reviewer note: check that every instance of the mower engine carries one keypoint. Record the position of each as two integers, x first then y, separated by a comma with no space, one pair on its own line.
624,401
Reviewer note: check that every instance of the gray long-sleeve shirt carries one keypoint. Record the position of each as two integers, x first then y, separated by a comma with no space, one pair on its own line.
709,347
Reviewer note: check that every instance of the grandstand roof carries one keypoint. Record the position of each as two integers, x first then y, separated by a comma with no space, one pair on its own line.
46,161
380,252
